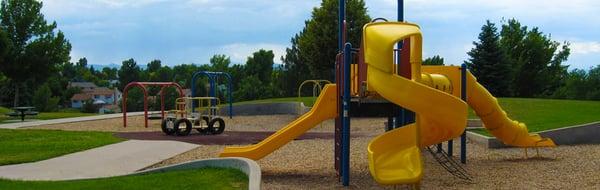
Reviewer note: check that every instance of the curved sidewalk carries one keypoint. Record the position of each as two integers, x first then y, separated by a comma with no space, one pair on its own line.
65,120
111,160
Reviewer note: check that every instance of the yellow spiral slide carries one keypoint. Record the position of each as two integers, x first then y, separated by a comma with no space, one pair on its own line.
394,157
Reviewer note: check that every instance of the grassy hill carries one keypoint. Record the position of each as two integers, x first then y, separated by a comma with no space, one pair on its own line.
538,114
544,114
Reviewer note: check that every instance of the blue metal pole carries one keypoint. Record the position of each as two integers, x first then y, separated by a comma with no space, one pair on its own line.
346,117
463,96
450,147
341,18
229,94
212,90
400,10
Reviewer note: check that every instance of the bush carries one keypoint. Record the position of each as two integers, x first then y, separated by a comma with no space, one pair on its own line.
43,100
89,107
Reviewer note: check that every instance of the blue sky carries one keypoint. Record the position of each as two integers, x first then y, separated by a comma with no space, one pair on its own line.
191,31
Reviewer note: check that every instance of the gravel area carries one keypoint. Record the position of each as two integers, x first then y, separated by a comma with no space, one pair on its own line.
238,123
308,164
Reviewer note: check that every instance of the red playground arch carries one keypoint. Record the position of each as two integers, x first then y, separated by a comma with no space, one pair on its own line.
143,85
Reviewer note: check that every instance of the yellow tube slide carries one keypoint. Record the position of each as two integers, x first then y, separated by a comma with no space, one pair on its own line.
496,121
486,106
323,109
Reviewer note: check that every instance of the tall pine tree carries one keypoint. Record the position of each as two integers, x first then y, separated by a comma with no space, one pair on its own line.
487,62
316,45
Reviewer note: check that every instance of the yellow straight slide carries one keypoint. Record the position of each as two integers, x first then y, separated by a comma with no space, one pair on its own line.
323,109
394,157
496,121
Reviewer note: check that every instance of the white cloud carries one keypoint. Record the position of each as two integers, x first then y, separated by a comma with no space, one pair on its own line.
239,52
465,9
585,47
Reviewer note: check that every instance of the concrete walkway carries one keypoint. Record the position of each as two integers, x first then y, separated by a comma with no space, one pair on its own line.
111,160
66,120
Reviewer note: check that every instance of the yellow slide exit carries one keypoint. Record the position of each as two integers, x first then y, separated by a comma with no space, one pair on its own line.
323,109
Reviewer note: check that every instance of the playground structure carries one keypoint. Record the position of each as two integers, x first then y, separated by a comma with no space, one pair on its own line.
143,85
374,80
213,98
207,111
213,81
317,87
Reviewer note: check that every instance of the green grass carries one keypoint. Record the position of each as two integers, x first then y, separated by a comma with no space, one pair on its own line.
544,114
20,146
45,115
4,110
308,101
205,178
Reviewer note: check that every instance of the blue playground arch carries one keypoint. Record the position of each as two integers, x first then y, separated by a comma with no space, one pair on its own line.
212,78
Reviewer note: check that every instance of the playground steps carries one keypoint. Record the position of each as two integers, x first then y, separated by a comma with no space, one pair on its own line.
448,163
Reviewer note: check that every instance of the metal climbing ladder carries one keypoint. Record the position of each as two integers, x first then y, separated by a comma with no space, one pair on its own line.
448,163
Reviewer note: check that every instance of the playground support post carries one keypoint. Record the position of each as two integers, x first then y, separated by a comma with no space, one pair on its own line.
346,116
143,85
463,96
338,144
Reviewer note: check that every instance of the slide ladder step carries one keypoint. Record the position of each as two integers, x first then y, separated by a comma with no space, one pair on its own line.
451,165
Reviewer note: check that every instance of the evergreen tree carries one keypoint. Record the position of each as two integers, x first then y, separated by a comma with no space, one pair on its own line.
129,72
487,61
316,45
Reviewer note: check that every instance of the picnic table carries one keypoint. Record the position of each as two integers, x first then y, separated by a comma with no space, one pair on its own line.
22,112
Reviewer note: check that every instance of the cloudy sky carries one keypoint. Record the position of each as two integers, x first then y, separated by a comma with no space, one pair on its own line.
191,31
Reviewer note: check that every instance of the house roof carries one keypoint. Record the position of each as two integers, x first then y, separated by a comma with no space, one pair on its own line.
82,84
98,91
82,97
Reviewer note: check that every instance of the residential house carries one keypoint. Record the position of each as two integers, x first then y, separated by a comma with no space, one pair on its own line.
98,95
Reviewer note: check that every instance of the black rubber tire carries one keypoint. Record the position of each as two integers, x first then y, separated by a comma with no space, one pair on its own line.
184,132
215,130
165,128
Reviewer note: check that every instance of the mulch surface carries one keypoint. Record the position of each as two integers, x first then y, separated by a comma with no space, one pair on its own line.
227,138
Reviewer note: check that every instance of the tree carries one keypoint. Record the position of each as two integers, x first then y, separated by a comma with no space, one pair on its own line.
317,43
220,62
129,72
35,46
295,68
5,46
435,60
487,63
536,60
250,89
153,66
43,100
110,73
261,65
